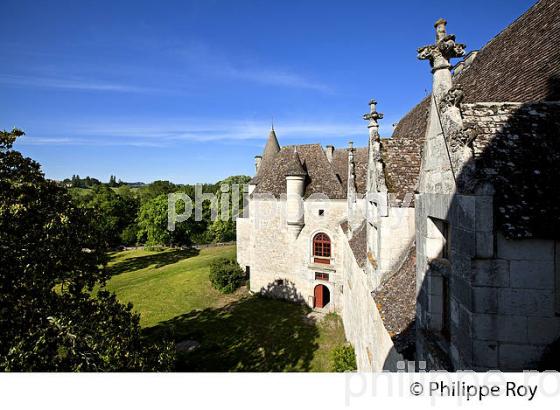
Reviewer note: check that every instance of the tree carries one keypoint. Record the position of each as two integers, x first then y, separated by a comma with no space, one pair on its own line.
51,259
155,189
152,224
223,229
115,212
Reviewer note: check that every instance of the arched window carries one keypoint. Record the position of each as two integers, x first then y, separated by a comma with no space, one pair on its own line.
321,248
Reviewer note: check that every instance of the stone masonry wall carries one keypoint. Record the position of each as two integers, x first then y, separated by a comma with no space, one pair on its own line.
513,314
272,255
362,322
394,235
502,292
459,212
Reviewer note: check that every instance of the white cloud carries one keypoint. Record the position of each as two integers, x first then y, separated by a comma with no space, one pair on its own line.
71,83
278,78
207,61
162,133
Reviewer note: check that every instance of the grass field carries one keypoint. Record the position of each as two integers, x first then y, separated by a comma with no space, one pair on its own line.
238,332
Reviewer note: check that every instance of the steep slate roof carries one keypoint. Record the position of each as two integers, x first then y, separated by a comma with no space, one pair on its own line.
293,165
396,301
520,64
401,154
340,164
271,148
517,147
358,244
322,176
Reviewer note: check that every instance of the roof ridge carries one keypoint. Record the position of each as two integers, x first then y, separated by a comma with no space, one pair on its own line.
302,145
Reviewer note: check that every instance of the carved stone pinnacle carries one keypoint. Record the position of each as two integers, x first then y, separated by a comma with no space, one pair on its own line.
443,50
372,115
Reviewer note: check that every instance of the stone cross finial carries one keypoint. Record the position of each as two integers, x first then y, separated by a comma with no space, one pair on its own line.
443,50
372,116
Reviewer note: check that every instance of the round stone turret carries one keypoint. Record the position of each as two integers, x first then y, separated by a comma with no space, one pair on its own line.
295,190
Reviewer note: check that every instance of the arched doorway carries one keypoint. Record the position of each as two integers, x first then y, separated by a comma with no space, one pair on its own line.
322,296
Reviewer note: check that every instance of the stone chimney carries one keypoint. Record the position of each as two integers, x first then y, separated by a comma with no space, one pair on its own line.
330,151
258,160
295,189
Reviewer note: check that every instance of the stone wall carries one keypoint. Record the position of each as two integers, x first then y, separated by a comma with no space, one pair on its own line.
282,266
459,212
501,292
389,238
362,322
514,316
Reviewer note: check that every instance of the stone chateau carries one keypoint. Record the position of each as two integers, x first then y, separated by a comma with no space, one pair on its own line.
440,244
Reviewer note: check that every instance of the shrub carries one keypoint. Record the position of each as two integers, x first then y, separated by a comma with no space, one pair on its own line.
343,359
226,275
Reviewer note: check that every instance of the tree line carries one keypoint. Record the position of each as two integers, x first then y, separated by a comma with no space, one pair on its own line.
128,216
88,182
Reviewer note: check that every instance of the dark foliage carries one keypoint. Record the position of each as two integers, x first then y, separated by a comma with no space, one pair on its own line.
51,258
226,275
114,211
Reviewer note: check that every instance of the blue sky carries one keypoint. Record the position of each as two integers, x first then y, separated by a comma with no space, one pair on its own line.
185,90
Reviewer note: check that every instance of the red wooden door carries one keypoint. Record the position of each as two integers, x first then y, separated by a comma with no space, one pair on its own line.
319,296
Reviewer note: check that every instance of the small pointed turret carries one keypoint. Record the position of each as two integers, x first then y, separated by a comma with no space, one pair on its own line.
272,147
293,165
270,150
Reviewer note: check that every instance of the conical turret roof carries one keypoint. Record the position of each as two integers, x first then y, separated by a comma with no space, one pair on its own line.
270,150
271,147
293,165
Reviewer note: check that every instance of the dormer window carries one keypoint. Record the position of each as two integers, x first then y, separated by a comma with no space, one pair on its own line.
322,249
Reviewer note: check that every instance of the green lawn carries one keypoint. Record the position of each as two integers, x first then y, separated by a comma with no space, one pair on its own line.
238,332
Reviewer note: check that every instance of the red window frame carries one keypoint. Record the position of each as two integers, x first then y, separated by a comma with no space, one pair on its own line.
322,248
321,276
